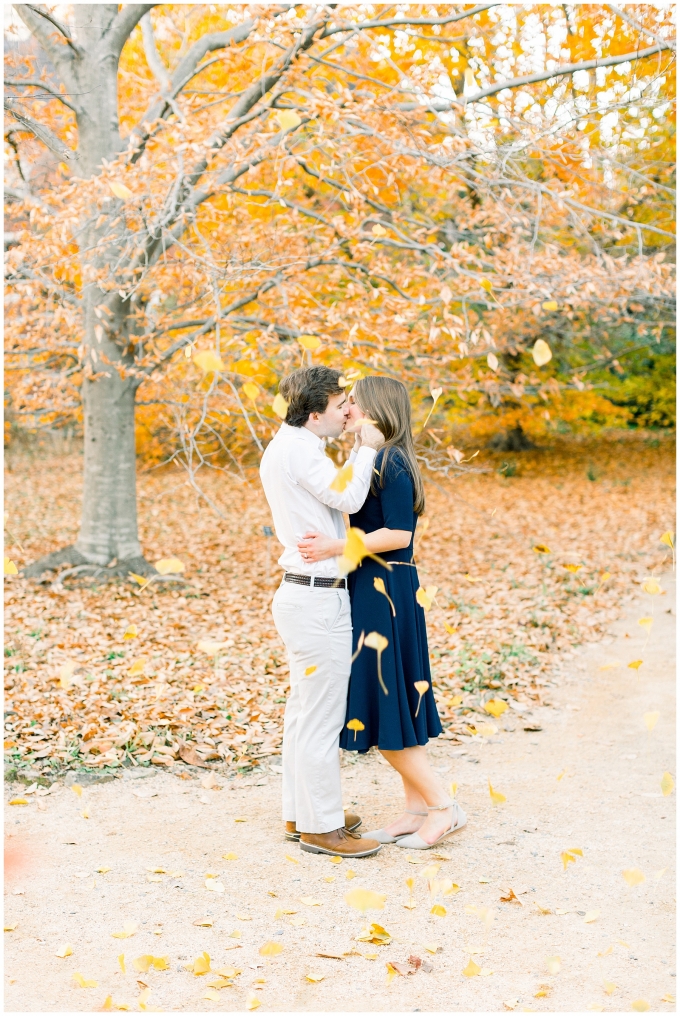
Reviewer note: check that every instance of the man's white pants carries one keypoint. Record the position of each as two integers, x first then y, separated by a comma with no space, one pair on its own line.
316,627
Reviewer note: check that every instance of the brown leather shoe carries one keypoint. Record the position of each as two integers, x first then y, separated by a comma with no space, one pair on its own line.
352,822
341,842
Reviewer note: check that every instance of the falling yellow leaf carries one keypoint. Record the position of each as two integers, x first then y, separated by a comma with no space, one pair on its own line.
10,568
492,361
137,667
379,230
651,720
129,929
484,283
139,579
573,568
310,342
425,596
355,725
547,305
66,950
314,978
280,406
77,789
633,876
609,987
635,665
591,916
450,629
131,632
169,566
208,361
374,640
310,670
421,687
453,789
365,899
496,707
667,538
554,964
651,586
495,796
251,390
639,1005
646,623
667,784
253,1002
541,353
342,478
438,910
271,949
287,119
472,969
82,982
540,548
379,584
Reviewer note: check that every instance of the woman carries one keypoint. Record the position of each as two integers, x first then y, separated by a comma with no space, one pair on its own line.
387,690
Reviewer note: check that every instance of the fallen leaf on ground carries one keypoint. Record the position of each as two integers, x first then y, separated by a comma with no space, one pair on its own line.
553,964
271,949
129,929
66,950
633,876
667,784
591,916
472,969
365,899
495,796
82,981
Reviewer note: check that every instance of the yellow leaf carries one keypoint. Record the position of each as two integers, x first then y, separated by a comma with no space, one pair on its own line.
309,901
668,998
635,665
646,623
350,874
298,922
639,1005
120,190
146,962
85,813
485,283
472,969
214,885
495,796
667,538
294,860
310,342
271,949
374,640
230,856
211,995
287,119
314,977
129,929
549,305
652,587
605,576
591,916
10,568
496,707
355,725
131,632
492,361
425,596
200,966
667,784
280,406
610,666
169,566
121,962
540,548
541,353
210,649
208,361
609,987
633,876
235,934
19,800
379,230
379,585
11,927
138,667
82,982
343,477
77,789
139,579
573,568
251,391
554,964
438,910
450,629
365,899
253,1002
421,687
66,950
651,720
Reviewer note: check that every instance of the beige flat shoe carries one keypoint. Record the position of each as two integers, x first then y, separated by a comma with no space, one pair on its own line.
382,837
416,842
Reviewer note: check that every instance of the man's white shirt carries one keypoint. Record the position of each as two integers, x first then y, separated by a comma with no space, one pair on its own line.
296,475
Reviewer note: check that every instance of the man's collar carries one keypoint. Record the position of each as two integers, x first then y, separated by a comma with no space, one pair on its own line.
306,434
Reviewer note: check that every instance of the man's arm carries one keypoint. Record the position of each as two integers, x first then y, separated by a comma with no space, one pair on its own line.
317,473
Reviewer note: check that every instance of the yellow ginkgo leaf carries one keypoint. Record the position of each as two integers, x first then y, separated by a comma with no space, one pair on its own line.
450,629
314,978
639,1005
650,720
374,640
472,969
549,305
120,190
355,725
131,632
591,916
485,283
77,789
379,230
146,963
10,568
633,876
573,568
280,406
646,623
139,579
169,566
309,901
541,353
121,962
342,478
365,899
200,966
310,342
421,687
271,949
651,586
540,548
129,929
251,391
214,885
82,981
287,119
425,596
208,361
667,784
609,987
212,995
495,796
635,665
438,910
379,584
554,964
310,670
293,860
252,1002
137,667
496,707
66,950
667,538
605,576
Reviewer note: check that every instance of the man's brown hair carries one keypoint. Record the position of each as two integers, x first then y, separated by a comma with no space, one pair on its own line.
308,390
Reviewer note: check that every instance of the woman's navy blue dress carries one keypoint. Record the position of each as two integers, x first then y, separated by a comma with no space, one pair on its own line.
389,720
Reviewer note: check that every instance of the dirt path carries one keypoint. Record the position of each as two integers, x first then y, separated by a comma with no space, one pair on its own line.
608,803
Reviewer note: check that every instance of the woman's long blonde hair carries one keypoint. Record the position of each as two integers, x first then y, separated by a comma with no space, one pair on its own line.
385,401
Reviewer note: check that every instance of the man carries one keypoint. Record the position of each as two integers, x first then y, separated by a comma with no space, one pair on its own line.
311,607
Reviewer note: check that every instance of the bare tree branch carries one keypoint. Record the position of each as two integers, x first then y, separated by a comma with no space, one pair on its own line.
30,82
640,27
391,22
123,25
61,56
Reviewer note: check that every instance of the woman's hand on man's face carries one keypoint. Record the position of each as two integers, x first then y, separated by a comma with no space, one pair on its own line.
319,547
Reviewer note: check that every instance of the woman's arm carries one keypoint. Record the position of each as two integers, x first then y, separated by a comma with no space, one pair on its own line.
317,547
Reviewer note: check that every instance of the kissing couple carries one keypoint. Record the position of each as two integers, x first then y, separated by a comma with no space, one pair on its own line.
336,674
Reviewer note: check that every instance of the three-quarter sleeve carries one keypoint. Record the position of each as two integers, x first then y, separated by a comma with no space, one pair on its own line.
396,497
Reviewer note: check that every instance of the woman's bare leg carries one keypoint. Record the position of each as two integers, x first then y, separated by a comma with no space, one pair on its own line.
422,789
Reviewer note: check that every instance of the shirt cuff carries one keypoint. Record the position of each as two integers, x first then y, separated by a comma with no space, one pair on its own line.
365,454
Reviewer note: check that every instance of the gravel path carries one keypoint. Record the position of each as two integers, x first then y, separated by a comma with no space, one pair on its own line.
589,779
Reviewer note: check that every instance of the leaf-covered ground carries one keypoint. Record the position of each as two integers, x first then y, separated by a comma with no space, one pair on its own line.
532,557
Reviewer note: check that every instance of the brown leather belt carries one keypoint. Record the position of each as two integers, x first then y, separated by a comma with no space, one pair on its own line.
315,580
